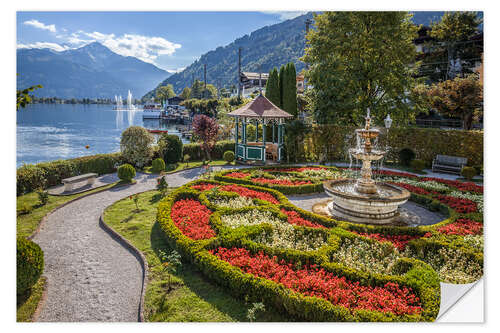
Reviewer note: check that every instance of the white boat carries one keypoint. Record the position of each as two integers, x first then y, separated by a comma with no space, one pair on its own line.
152,111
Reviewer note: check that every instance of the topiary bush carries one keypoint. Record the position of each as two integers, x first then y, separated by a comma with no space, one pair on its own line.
170,148
418,165
158,165
406,155
30,177
135,146
468,172
29,264
126,172
229,156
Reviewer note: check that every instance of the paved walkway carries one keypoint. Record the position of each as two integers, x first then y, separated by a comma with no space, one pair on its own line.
91,277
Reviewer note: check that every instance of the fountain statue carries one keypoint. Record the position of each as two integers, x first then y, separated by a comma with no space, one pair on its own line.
364,200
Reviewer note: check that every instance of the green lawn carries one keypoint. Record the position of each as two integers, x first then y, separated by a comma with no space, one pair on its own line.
27,223
27,304
193,298
171,168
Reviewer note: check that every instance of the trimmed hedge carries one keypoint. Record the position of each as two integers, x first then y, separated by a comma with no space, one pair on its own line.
30,177
29,264
410,272
158,165
331,142
126,172
170,147
195,151
314,187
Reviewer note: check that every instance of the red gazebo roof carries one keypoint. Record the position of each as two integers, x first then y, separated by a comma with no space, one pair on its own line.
260,107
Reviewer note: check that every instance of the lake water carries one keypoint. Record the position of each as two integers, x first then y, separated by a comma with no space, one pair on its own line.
47,132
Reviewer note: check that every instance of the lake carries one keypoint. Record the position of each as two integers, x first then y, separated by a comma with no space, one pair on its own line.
47,132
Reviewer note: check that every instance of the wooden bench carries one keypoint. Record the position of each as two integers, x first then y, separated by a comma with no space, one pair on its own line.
451,164
68,182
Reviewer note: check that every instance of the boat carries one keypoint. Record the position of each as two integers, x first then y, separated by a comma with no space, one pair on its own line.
152,111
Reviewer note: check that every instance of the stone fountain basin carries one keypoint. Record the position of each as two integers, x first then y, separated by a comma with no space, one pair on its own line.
374,155
379,208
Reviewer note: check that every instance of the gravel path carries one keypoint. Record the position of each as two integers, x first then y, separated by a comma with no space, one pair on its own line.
91,276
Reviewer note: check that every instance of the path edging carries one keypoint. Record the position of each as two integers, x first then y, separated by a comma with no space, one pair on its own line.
142,260
42,300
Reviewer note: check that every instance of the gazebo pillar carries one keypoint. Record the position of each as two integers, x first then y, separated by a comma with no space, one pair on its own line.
236,137
264,140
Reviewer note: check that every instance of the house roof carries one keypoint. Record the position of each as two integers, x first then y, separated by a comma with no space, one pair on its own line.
254,76
260,107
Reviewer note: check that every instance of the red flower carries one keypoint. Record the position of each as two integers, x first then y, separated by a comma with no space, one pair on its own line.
464,187
237,175
411,188
398,241
311,280
192,218
243,191
295,218
462,206
462,227
280,181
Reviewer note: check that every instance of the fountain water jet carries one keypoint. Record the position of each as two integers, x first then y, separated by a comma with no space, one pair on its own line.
363,199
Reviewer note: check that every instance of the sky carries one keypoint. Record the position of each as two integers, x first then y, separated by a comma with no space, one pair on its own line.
169,40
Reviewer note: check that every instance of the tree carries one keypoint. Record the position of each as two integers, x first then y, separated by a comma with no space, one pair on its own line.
165,92
281,76
135,146
361,60
196,90
210,92
295,133
170,148
290,89
206,129
23,96
186,93
461,97
453,33
272,87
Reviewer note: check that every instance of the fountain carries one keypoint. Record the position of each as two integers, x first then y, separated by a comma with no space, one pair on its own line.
363,199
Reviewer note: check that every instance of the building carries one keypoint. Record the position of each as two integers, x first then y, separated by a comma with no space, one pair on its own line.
176,100
300,84
250,80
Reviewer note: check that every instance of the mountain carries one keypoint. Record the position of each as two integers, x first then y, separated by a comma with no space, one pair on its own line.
267,47
91,71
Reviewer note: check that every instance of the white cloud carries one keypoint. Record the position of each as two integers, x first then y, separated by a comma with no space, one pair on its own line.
40,25
178,70
143,47
43,45
285,15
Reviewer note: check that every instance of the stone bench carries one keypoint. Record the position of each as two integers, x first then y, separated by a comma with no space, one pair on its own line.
68,182
450,164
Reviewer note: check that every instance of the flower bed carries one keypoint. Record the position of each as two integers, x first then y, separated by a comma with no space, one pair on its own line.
191,217
312,267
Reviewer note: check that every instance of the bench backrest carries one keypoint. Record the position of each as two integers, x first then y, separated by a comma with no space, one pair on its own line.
451,160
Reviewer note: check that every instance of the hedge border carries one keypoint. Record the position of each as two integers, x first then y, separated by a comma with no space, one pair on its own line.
284,299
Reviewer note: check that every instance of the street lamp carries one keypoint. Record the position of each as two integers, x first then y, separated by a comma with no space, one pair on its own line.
388,123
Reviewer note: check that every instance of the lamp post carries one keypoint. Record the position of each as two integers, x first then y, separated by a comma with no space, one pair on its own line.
388,123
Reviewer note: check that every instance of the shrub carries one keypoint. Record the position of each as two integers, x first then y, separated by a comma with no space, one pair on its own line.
468,172
56,171
158,165
135,146
418,165
29,264
24,208
479,169
186,158
43,196
229,156
170,148
406,155
126,172
100,163
194,150
162,186
30,177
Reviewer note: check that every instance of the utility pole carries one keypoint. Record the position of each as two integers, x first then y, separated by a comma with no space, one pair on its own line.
239,73
205,79
260,79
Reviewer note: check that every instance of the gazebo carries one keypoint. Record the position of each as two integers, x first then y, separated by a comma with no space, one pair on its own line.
259,111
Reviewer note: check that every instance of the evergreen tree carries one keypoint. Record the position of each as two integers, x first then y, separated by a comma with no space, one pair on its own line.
281,83
290,89
197,89
186,93
272,87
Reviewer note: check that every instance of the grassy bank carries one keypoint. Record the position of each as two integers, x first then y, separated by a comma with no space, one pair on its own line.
27,303
192,297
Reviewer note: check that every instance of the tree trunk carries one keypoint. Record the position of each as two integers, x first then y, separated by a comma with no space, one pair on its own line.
467,121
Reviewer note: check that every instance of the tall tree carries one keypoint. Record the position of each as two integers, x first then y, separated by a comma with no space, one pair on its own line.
281,84
197,89
186,93
361,60
23,97
164,92
272,87
460,97
453,33
210,92
290,89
